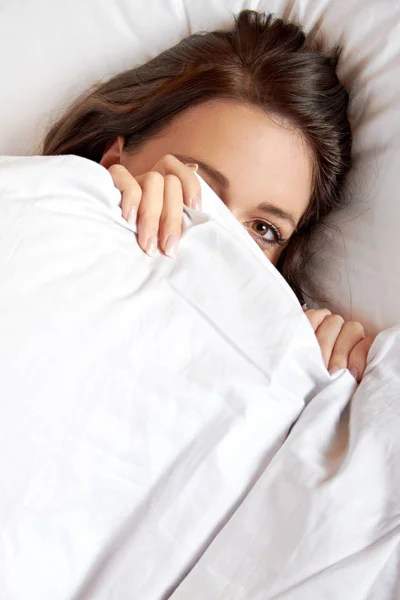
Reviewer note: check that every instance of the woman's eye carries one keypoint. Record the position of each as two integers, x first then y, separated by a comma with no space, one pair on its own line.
264,230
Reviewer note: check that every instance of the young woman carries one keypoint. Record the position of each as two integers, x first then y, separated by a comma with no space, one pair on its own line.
259,111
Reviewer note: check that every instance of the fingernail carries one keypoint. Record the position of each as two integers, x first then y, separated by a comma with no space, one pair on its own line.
193,166
132,215
171,248
197,203
354,372
333,370
151,246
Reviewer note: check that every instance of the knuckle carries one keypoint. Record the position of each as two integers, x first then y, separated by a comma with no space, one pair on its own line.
170,178
169,159
319,312
117,170
154,177
355,327
311,313
334,319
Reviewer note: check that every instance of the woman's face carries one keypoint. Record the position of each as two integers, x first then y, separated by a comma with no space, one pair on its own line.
260,168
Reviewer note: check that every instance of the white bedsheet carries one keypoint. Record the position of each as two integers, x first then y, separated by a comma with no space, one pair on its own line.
144,404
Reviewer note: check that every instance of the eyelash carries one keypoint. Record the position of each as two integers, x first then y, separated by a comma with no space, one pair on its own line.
275,230
279,239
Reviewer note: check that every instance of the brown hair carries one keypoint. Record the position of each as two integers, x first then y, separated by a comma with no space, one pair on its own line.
262,61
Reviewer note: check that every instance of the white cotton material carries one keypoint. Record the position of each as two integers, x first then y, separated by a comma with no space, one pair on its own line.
145,403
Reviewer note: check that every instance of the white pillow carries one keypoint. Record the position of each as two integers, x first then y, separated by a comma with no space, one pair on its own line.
52,50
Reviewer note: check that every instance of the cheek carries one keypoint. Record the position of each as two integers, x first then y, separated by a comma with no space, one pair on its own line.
274,255
143,159
136,164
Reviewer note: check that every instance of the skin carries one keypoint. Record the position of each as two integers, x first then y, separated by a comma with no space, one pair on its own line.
259,166
257,145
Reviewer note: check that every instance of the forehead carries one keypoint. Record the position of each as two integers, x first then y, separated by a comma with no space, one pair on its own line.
265,159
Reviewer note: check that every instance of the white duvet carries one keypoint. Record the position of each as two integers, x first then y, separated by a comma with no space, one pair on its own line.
145,406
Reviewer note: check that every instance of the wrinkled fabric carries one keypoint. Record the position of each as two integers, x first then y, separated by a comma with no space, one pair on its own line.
146,405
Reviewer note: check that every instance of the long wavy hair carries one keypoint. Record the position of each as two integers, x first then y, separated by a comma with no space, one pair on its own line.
262,61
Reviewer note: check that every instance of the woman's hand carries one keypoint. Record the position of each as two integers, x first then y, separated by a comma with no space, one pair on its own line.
343,344
155,201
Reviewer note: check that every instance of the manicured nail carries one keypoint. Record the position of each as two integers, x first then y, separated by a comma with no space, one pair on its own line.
193,166
333,370
132,215
151,247
197,203
354,372
171,248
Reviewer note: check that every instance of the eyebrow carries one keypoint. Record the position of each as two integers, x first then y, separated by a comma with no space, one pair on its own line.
216,175
269,209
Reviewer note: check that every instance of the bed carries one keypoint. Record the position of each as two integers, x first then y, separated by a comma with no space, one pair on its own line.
130,469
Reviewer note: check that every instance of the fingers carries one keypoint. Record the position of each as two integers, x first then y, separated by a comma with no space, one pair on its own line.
171,216
351,334
155,200
159,219
130,190
343,344
191,188
149,211
358,357
327,334
316,316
